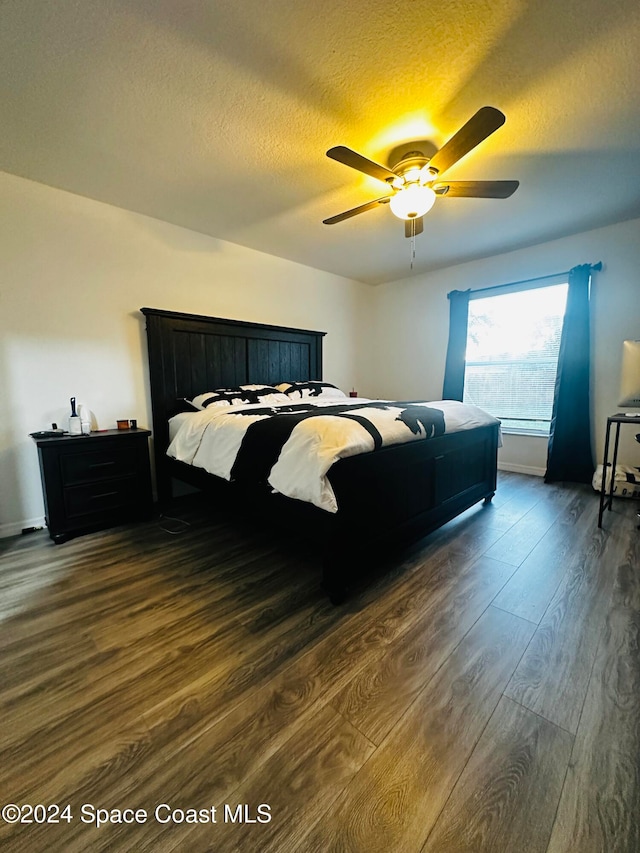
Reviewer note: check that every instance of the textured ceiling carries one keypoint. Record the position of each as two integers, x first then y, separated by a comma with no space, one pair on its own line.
216,115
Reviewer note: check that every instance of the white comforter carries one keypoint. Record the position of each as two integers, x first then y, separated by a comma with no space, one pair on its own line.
212,439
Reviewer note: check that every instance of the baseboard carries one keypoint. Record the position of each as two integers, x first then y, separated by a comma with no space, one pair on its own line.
15,528
521,469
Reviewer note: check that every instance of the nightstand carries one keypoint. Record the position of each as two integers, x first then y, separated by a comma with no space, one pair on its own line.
607,500
94,481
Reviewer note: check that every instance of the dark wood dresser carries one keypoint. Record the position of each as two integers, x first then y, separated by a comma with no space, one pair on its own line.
94,481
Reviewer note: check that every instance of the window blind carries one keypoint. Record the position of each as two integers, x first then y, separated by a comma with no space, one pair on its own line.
513,340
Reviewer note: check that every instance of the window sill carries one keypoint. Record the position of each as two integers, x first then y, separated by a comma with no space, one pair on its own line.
528,433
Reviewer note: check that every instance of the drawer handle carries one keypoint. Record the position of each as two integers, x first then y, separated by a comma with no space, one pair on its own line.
103,495
101,464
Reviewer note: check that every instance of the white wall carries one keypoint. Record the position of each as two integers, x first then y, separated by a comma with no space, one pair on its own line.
73,274
410,324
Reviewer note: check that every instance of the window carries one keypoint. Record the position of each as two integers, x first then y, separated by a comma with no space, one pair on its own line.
513,339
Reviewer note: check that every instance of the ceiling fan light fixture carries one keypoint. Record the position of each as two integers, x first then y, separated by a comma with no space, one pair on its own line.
428,174
412,202
412,176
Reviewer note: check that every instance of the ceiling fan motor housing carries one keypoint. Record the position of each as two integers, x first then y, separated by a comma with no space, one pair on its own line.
411,160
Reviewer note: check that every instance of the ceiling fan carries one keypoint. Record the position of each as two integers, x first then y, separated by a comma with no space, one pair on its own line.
415,180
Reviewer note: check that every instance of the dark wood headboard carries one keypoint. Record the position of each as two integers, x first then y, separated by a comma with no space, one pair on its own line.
190,354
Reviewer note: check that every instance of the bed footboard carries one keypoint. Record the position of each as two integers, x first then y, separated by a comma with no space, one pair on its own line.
401,494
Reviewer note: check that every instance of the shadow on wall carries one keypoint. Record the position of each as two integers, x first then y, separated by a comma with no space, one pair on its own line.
17,451
12,503
142,335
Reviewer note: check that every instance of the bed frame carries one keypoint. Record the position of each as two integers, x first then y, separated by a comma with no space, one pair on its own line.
395,494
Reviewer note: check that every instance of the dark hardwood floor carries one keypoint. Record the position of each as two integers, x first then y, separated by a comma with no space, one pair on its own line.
482,695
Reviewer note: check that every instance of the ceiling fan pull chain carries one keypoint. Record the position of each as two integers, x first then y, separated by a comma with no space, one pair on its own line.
412,243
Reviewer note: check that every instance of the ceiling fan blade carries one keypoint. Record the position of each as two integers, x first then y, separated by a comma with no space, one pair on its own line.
355,210
476,189
351,158
478,128
412,227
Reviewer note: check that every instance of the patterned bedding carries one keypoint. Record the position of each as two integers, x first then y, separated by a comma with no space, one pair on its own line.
292,447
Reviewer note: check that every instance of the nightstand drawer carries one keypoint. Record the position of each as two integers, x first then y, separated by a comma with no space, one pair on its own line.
79,468
95,498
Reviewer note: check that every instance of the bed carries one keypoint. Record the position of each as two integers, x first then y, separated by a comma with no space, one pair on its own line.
390,495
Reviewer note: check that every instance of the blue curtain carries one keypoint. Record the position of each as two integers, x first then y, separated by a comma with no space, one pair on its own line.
456,349
569,455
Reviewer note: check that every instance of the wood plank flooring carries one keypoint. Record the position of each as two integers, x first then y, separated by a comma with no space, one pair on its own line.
481,695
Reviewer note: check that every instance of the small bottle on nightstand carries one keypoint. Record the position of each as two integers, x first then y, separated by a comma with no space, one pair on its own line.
75,424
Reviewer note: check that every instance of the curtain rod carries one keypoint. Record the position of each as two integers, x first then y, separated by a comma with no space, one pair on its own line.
594,268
